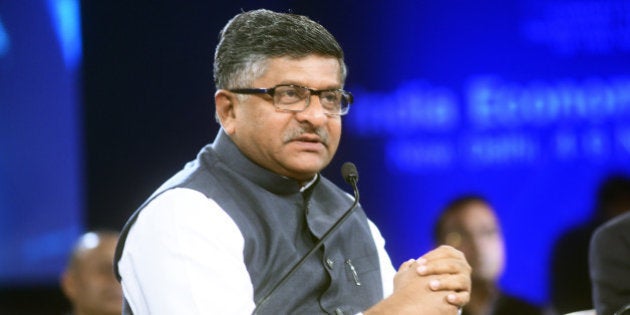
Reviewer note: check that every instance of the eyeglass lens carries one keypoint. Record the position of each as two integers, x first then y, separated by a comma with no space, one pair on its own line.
296,98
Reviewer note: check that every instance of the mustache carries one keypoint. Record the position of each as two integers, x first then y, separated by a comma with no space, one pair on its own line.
299,131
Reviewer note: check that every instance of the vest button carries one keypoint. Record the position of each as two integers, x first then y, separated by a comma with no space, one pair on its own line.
330,263
338,311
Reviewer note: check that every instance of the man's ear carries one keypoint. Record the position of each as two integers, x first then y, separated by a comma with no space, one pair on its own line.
224,102
69,285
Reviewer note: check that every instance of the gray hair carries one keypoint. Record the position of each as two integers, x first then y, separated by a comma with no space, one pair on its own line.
250,38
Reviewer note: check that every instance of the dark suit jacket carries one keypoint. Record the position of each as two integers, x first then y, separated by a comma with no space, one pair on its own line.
609,259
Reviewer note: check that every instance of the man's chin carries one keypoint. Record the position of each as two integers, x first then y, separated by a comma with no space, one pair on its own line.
306,171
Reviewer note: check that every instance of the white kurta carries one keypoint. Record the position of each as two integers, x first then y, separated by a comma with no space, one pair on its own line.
205,248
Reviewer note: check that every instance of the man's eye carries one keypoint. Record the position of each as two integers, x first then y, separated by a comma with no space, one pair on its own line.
332,98
289,93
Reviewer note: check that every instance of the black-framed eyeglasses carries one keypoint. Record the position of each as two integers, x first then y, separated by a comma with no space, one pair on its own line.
295,98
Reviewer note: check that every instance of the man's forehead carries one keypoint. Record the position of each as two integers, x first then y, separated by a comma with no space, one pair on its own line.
89,241
92,241
323,71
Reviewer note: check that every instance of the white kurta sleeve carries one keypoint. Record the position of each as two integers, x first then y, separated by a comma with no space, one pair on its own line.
184,255
387,269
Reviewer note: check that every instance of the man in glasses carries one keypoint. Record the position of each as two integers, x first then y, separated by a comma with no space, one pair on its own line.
220,235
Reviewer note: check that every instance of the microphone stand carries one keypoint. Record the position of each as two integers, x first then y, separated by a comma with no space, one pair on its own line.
352,178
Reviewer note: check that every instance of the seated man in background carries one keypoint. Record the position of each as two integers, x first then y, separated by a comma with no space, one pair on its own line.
609,259
570,286
469,224
88,281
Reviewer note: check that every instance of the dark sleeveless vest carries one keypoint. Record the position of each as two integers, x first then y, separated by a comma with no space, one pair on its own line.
280,224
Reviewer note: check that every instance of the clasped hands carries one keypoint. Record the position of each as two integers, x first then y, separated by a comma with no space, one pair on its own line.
438,283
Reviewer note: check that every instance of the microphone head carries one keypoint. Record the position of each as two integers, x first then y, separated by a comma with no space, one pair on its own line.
350,173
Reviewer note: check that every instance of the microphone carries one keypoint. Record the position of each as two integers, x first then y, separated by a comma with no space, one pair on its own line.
351,176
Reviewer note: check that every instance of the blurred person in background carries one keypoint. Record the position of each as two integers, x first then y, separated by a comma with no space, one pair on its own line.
570,285
470,224
88,281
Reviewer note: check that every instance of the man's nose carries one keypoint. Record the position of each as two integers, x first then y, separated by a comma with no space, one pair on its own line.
314,111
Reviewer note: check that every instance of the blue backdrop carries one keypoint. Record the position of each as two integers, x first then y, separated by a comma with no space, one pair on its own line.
525,102
41,163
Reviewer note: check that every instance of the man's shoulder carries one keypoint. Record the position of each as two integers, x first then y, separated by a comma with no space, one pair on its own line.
513,305
616,227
